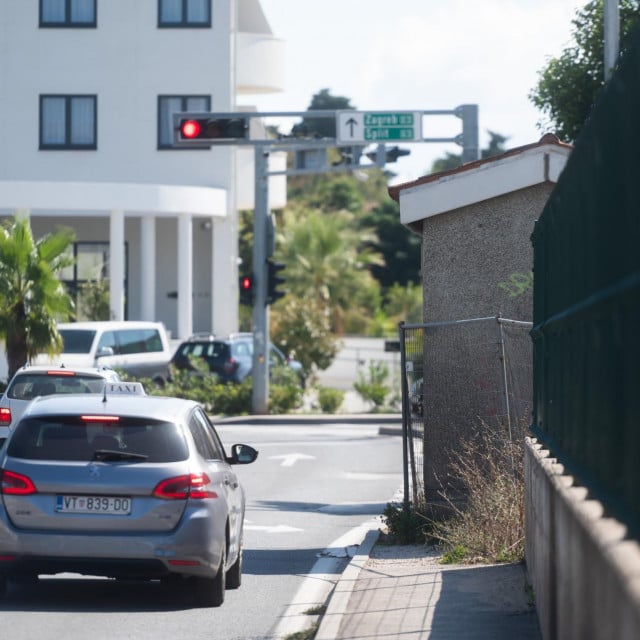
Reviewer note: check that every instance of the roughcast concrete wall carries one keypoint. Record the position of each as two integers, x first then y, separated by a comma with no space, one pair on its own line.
585,575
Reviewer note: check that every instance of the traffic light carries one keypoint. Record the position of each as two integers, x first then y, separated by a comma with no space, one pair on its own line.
349,155
223,129
390,155
273,280
245,286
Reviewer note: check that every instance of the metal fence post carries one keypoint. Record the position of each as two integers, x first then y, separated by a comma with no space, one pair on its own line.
405,416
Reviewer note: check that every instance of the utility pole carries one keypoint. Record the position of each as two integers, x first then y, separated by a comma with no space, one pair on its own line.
260,368
611,36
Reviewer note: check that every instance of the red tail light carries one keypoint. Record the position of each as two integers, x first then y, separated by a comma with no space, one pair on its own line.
192,485
5,416
15,484
230,366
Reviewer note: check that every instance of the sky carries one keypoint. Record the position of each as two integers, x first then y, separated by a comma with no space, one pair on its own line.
422,55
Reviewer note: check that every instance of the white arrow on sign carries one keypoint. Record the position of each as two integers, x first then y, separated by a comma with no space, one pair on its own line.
289,459
280,528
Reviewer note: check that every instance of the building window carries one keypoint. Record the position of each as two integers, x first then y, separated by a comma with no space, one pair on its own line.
167,106
68,13
68,122
184,13
87,280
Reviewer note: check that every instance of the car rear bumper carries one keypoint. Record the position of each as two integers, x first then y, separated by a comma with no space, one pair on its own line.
194,548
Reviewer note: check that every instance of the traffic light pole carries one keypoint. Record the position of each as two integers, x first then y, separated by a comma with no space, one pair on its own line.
260,370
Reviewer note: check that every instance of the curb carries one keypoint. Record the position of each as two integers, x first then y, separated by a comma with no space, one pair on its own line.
339,599
347,418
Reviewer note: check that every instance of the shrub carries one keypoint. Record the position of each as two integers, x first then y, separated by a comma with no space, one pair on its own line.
374,389
285,392
489,526
404,525
329,399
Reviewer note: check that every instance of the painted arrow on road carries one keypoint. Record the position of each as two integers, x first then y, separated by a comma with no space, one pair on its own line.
280,528
289,459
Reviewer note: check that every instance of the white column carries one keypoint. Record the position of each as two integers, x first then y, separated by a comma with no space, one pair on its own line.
116,265
148,268
185,276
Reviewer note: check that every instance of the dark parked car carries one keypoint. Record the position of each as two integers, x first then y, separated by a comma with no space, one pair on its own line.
229,358
417,397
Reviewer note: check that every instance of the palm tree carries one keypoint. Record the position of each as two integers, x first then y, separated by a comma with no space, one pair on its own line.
328,259
32,296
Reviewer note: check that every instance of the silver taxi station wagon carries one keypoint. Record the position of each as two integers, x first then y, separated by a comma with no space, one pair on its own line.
122,485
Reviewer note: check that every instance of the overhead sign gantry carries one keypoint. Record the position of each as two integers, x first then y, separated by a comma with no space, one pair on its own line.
205,129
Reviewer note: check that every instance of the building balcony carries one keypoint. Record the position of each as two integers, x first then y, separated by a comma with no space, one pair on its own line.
259,64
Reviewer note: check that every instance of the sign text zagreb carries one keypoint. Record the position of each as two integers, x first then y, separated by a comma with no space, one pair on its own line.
371,126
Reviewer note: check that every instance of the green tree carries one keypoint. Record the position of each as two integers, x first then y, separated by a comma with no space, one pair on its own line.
569,85
328,260
399,247
301,327
404,303
32,298
94,299
452,160
311,127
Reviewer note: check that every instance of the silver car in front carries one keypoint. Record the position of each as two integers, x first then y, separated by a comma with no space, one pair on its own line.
124,486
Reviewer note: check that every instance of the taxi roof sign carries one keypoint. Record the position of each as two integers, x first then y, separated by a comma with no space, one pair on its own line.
124,388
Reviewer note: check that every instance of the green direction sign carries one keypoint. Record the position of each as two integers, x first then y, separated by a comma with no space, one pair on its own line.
371,126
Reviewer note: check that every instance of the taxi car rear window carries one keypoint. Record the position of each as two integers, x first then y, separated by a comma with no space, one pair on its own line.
28,386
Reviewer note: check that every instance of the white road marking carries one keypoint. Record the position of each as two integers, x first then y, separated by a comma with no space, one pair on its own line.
279,528
320,581
289,459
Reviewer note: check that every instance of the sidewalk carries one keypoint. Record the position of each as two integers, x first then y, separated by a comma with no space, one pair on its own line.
393,592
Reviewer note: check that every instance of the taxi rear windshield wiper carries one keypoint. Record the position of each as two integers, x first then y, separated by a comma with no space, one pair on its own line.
106,455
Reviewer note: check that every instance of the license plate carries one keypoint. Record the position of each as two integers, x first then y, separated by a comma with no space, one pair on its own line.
110,505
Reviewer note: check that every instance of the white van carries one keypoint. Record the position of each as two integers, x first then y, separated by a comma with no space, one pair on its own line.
140,349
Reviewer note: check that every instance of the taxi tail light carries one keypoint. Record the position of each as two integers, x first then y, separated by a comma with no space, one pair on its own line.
5,416
15,484
191,485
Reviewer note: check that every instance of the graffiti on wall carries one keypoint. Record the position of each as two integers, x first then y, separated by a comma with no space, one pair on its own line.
518,284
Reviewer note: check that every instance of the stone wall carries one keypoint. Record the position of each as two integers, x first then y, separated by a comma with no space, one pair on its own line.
584,572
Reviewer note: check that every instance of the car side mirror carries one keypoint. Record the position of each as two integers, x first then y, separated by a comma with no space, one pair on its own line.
242,454
104,351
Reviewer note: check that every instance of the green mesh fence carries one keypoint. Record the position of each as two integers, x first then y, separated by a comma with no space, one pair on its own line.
587,302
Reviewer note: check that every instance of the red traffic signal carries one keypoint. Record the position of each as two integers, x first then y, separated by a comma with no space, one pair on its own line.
221,129
190,129
245,286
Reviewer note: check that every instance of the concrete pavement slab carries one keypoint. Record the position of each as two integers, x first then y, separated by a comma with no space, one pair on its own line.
405,592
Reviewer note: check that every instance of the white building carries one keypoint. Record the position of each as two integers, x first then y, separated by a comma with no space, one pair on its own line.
87,89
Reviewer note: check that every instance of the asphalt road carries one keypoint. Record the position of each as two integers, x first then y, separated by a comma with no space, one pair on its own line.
311,487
